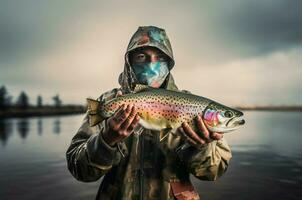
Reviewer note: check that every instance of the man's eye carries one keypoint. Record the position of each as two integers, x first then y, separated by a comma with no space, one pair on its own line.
162,58
141,57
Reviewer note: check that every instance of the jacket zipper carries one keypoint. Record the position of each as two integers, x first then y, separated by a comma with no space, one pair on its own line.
141,174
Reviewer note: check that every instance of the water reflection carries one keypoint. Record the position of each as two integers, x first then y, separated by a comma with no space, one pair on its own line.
5,131
23,127
57,126
266,161
40,126
256,175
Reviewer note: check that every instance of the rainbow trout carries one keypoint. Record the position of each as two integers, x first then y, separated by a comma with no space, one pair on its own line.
165,109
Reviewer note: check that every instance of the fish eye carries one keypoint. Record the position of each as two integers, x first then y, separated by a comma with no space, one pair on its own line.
228,114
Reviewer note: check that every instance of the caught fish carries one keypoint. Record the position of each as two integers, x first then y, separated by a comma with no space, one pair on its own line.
165,109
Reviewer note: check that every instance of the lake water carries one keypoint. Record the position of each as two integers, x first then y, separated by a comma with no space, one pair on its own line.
266,161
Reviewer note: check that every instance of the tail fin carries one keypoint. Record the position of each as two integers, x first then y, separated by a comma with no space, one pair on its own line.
94,116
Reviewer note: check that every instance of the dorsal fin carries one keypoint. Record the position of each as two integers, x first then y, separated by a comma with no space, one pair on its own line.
140,87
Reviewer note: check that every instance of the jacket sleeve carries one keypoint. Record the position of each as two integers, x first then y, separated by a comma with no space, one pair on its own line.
89,157
207,162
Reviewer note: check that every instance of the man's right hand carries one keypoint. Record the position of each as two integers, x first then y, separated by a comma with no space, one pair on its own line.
121,124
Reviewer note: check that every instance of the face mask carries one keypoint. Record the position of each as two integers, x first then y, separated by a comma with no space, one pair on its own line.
152,74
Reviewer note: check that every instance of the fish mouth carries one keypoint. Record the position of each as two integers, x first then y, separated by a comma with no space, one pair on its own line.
235,121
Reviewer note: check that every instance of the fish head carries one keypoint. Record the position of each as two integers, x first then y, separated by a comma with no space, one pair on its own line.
222,119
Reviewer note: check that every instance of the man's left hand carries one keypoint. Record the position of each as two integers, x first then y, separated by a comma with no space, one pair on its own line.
196,139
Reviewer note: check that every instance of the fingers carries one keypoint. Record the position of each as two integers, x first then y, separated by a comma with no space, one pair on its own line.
125,120
202,128
129,119
134,123
119,93
116,118
113,121
120,111
119,117
192,134
194,138
209,136
216,136
190,140
124,115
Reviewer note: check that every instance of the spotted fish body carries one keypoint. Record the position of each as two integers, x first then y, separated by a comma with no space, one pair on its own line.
165,109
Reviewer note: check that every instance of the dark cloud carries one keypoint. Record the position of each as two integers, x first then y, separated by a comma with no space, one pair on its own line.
23,28
259,27
31,28
42,41
228,29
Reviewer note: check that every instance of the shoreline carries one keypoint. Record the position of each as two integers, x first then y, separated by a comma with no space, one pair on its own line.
270,108
42,111
13,112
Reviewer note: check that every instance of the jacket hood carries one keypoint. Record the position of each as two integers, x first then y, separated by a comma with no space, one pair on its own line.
146,36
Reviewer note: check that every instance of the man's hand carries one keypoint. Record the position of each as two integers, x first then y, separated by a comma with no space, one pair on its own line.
194,138
121,124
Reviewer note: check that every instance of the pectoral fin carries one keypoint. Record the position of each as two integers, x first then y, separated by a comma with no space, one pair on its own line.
164,133
93,115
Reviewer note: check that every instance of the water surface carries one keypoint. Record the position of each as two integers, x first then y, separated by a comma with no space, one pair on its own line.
266,161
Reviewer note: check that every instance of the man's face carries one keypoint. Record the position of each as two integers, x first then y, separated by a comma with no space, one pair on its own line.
150,66
146,55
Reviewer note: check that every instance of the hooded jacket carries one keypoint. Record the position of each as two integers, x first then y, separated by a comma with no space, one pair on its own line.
141,167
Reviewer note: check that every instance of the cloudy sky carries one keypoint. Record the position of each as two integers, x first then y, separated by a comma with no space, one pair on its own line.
236,52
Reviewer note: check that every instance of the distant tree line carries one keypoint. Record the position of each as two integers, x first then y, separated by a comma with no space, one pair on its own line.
6,100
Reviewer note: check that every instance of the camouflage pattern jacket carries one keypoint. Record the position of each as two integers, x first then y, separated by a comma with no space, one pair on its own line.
141,167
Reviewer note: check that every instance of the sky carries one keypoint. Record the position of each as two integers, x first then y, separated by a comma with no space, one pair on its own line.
235,52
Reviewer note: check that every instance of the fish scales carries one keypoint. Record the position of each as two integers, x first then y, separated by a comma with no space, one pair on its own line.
161,109
165,109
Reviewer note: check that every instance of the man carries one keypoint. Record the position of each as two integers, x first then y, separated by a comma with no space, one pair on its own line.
135,165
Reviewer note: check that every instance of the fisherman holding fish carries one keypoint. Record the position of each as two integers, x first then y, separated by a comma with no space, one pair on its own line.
146,137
